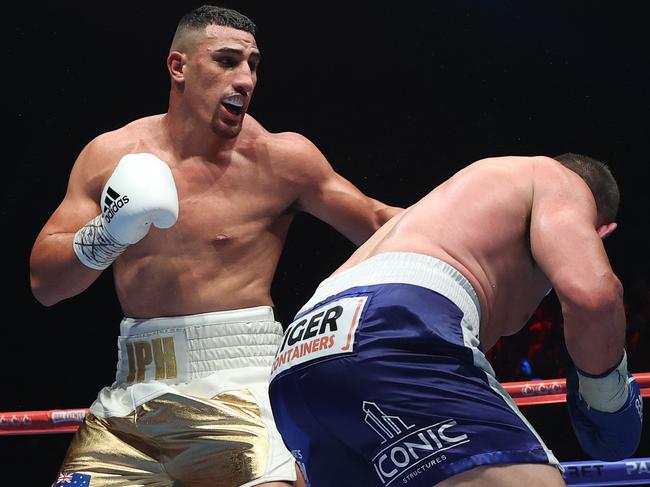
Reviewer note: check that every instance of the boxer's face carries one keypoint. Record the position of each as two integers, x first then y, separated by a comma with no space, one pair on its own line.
220,73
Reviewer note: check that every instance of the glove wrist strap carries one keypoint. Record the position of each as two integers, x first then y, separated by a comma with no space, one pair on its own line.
95,247
605,392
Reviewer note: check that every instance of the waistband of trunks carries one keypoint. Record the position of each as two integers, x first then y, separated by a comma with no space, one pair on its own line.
404,268
181,348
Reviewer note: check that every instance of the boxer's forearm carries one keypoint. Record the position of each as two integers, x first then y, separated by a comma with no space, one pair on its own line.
384,212
55,271
594,325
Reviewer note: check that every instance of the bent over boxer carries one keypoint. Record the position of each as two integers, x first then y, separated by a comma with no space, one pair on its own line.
383,371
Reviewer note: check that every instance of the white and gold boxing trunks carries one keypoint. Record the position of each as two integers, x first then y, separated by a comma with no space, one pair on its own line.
189,406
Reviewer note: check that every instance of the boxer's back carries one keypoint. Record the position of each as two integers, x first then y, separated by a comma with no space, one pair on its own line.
478,221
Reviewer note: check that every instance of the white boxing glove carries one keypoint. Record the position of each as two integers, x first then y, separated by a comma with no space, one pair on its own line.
140,192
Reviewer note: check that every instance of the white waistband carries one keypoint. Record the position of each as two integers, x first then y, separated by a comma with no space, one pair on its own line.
404,268
243,315
178,349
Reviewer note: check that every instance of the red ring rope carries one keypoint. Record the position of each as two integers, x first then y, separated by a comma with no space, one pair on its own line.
525,393
633,471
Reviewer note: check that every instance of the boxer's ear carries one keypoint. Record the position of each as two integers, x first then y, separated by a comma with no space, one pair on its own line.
175,64
605,231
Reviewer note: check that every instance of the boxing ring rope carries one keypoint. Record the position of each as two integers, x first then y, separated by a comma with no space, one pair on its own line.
633,471
536,392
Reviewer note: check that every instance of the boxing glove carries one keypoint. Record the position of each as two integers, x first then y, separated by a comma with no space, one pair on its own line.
140,192
606,412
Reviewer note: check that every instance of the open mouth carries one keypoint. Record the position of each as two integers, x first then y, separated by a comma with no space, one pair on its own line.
234,104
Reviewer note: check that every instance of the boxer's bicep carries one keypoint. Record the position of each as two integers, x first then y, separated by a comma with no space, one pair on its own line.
80,202
563,237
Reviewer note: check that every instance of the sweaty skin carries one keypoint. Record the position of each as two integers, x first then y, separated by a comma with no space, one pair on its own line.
239,187
539,229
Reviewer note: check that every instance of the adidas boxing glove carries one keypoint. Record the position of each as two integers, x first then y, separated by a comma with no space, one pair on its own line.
140,192
606,412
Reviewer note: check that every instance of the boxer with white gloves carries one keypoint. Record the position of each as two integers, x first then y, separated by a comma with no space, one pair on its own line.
189,404
140,192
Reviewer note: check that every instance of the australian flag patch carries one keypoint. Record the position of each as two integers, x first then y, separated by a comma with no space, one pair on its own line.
73,479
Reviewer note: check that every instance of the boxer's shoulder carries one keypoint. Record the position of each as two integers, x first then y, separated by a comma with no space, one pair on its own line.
100,154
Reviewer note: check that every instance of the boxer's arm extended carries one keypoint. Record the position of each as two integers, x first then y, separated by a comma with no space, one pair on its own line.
339,203
333,199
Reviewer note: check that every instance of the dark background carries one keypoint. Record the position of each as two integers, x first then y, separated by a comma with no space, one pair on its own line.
397,95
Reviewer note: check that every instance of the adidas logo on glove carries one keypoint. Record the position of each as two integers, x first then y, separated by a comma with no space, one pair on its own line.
112,203
152,199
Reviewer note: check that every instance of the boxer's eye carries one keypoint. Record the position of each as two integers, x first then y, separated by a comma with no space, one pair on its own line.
227,61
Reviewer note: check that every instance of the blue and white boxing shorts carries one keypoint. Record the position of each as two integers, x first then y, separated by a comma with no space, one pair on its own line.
380,380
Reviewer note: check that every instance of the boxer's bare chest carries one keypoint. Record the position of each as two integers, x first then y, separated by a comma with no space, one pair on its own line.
238,197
